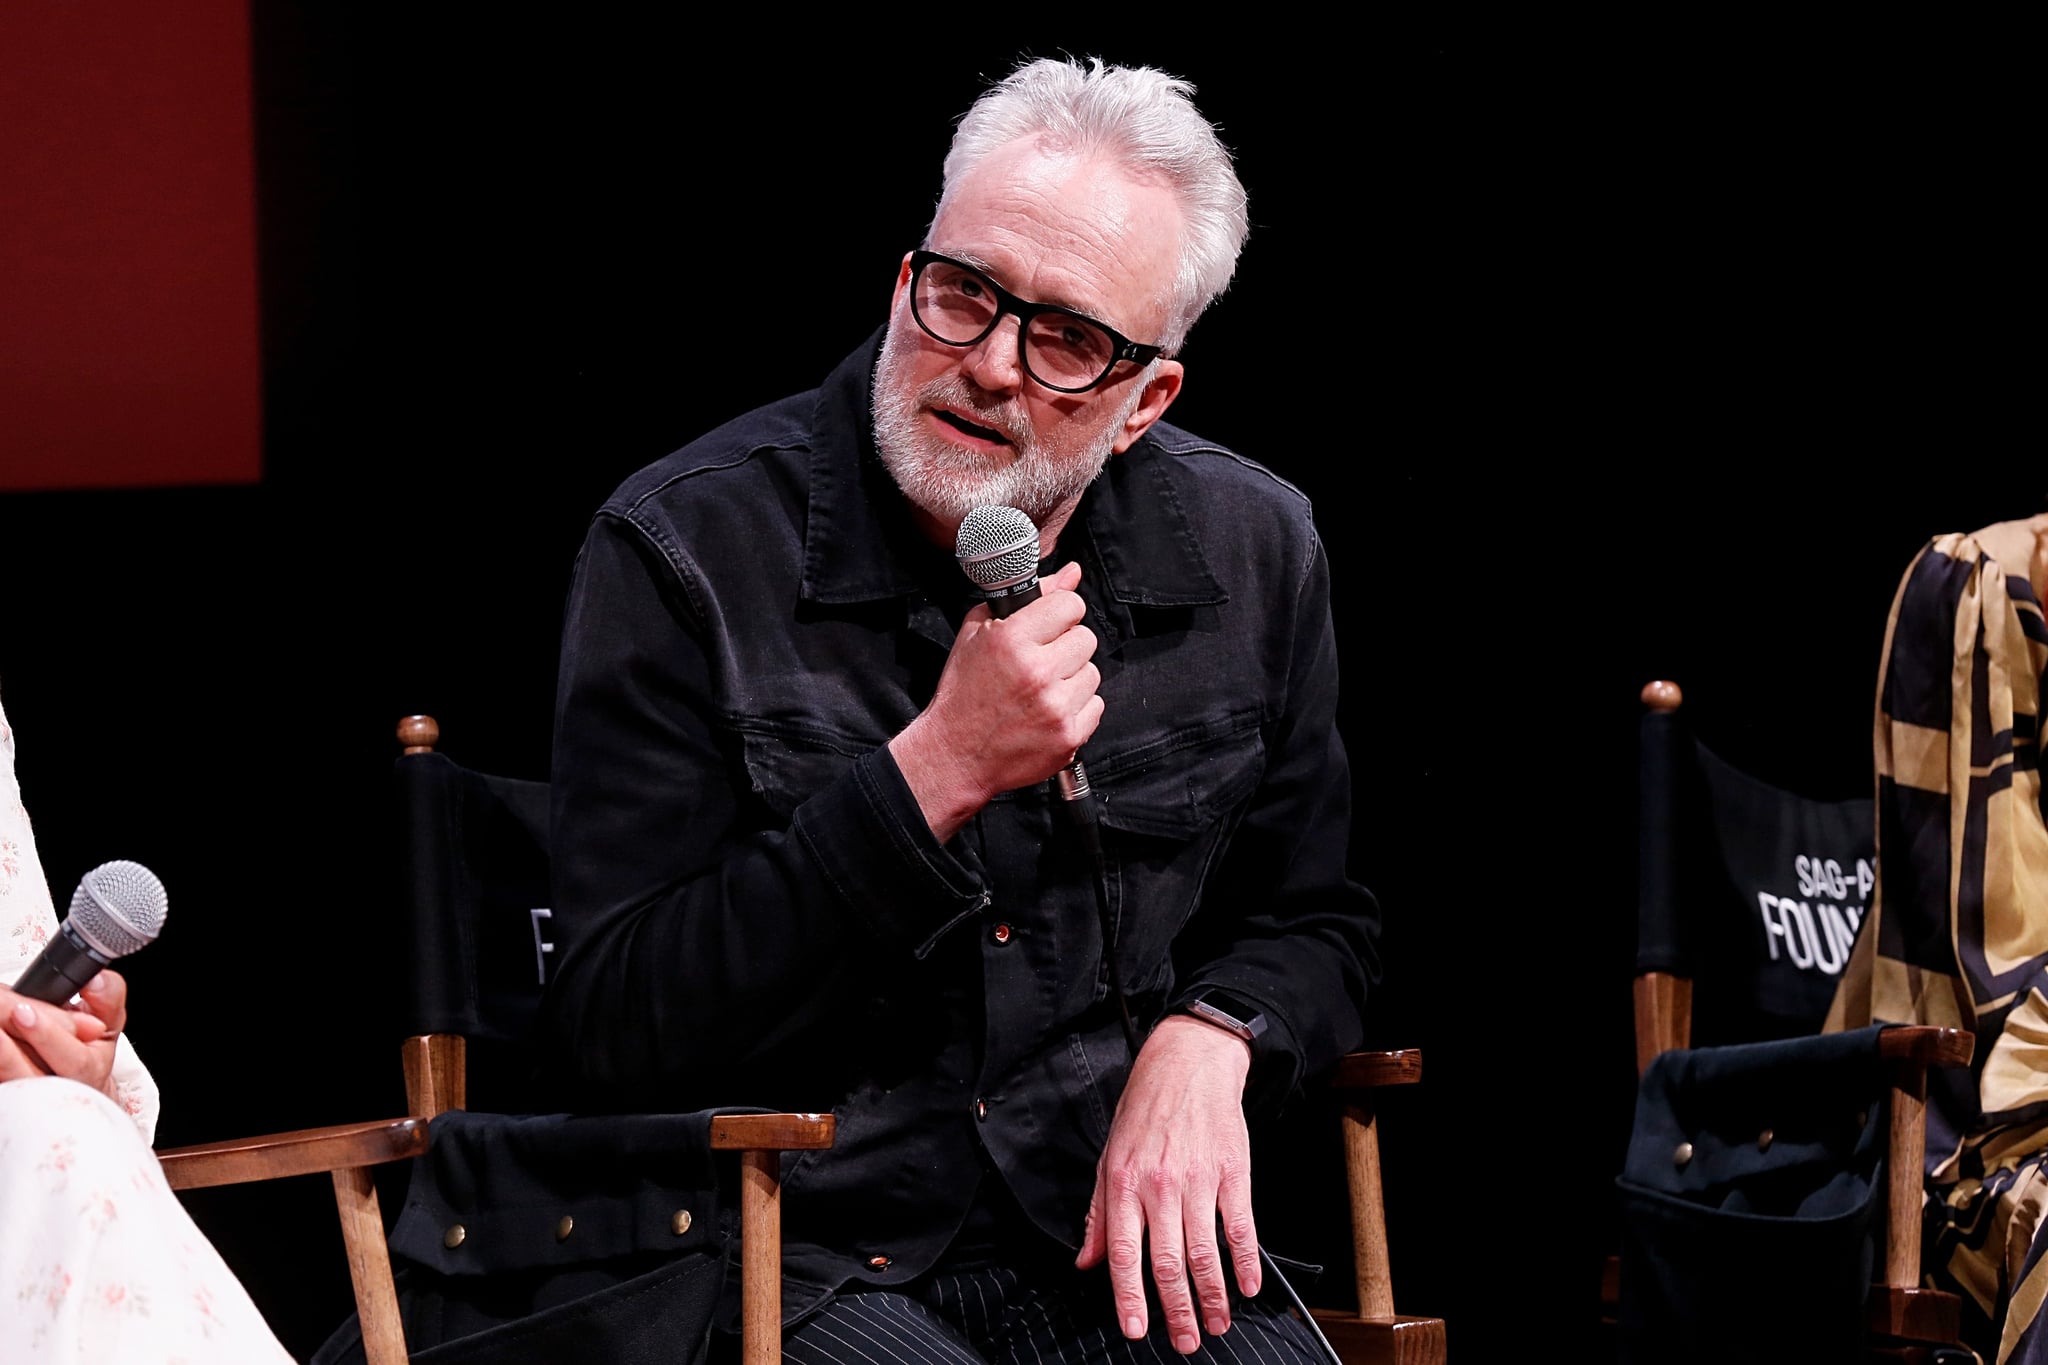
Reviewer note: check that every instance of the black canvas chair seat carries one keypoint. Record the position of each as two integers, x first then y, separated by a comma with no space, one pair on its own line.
1751,1218
552,1237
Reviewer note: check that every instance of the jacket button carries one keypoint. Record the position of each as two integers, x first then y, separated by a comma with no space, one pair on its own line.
564,1228
878,1263
1001,933
1682,1155
453,1237
680,1223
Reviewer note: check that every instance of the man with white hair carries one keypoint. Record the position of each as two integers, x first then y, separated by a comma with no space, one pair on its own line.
821,835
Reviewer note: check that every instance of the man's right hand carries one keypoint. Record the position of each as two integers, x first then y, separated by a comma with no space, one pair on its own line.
1016,700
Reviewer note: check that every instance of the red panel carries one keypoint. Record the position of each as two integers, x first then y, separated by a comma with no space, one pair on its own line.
128,323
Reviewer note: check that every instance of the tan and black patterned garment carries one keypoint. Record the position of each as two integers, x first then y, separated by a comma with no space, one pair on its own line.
1959,920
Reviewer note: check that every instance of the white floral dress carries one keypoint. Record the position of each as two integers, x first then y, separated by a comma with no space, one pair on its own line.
99,1262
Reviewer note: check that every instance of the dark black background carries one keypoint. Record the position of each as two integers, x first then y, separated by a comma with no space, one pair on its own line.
1606,356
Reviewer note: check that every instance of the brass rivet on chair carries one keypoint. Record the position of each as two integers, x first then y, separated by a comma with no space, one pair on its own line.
680,1222
453,1237
1763,1140
1862,1117
564,1228
1682,1155
878,1263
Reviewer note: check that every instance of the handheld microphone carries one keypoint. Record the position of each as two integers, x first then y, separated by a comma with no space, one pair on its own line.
998,548
118,908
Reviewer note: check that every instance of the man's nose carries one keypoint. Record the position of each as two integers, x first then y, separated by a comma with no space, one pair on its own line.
996,362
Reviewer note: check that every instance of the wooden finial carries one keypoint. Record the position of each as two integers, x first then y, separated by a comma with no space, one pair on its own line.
1662,695
419,734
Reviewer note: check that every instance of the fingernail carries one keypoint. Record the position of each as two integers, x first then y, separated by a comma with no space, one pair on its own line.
1217,1326
98,983
1186,1345
1134,1327
24,1015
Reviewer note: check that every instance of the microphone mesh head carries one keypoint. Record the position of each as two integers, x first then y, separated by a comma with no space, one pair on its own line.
997,546
118,907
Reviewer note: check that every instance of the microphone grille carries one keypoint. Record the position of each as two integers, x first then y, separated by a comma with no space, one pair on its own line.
118,907
996,546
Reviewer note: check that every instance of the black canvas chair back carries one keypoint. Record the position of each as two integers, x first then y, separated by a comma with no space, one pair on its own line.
1753,893
475,918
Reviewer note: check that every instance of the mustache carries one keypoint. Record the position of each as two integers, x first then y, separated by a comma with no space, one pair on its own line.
1006,416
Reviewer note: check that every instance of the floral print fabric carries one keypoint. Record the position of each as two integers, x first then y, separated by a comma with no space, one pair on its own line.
27,919
99,1262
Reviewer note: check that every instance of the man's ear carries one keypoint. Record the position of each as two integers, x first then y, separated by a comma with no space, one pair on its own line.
902,279
1160,390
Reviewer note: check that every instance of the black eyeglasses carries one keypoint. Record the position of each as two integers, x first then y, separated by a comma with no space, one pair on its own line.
1061,349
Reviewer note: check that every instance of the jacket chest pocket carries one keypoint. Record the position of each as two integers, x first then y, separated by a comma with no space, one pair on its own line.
1168,812
785,764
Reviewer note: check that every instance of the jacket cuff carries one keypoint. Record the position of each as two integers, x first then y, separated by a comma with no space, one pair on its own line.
869,837
1276,1055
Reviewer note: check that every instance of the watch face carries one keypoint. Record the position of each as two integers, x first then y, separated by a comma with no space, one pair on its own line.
1227,1011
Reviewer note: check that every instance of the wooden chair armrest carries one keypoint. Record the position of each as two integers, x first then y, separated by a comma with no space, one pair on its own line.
1927,1045
1369,1070
303,1152
770,1132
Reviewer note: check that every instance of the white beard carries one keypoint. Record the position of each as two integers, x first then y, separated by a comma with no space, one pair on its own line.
949,481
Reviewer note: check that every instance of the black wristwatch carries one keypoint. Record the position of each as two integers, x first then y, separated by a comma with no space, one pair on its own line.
1228,1011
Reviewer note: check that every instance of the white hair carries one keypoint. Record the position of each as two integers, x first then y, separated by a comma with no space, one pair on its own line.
1145,118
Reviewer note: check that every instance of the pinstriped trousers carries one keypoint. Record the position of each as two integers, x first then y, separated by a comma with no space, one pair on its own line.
996,1315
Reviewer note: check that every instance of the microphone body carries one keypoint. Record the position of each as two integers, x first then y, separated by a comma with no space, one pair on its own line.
118,908
998,548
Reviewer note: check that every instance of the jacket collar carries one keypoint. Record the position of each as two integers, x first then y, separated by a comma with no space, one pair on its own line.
860,544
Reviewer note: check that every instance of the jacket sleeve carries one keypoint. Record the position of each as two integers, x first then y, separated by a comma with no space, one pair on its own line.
699,932
1283,924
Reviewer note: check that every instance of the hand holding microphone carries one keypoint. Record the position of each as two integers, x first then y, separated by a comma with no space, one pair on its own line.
117,909
998,548
1015,701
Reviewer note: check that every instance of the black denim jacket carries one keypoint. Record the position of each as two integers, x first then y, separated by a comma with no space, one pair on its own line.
749,907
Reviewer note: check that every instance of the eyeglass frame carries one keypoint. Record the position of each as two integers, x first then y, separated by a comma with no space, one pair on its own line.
1122,347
